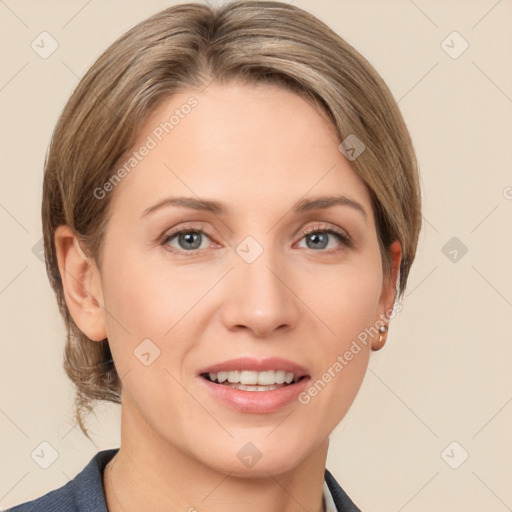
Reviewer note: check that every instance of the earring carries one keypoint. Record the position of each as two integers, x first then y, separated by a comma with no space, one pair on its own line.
382,329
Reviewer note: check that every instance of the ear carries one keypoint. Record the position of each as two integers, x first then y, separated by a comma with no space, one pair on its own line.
81,283
387,297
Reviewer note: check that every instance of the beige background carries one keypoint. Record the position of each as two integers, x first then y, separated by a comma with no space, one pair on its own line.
444,375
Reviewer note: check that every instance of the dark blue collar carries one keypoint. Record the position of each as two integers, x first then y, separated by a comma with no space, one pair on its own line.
85,492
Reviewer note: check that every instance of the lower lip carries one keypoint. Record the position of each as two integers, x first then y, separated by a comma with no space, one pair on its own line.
257,401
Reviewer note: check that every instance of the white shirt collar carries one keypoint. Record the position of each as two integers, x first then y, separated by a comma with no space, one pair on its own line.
329,502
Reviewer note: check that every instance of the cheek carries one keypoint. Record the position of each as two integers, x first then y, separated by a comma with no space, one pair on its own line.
348,306
143,307
147,299
150,300
348,300
134,307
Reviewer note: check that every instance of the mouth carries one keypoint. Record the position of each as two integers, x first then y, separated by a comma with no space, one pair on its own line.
250,374
248,380
255,385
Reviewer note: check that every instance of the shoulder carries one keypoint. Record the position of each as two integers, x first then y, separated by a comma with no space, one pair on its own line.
82,494
63,498
341,500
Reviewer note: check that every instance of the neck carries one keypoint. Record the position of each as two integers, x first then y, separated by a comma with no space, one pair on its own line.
152,475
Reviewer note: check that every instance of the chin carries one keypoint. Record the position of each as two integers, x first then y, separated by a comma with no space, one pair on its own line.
254,459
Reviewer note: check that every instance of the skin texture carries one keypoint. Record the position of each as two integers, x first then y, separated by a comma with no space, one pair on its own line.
258,149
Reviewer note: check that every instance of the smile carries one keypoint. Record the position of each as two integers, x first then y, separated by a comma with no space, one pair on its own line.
248,380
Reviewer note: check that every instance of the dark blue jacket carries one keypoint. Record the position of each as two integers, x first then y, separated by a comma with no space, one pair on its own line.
85,492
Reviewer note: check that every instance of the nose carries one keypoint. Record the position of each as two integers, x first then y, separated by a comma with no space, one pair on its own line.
260,298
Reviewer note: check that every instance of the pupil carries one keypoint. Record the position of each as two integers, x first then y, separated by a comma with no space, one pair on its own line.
189,238
315,238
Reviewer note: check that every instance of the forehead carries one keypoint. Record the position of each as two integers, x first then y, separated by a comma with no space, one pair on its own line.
258,145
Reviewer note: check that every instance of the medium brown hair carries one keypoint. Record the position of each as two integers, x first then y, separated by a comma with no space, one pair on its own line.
187,47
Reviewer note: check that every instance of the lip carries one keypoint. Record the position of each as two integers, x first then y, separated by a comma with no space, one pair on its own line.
258,402
259,365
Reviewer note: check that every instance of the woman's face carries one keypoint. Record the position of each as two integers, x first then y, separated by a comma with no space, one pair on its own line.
263,273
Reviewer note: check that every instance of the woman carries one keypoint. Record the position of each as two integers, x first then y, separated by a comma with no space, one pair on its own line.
231,208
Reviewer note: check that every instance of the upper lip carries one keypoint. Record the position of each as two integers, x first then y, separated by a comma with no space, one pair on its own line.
258,365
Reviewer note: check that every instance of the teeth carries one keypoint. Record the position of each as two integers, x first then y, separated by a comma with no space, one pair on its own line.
245,377
243,387
280,375
221,376
233,376
252,378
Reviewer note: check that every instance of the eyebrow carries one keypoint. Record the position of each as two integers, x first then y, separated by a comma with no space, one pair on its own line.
304,205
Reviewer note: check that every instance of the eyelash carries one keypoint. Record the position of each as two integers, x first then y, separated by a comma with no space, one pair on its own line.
342,237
